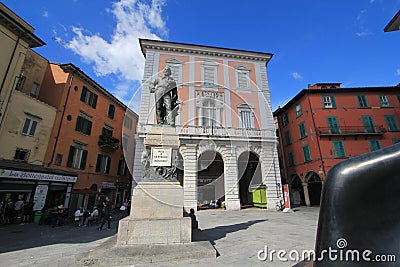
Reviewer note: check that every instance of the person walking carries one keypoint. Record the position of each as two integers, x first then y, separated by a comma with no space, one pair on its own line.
106,214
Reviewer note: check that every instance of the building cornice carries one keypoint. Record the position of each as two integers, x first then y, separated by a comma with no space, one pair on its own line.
202,50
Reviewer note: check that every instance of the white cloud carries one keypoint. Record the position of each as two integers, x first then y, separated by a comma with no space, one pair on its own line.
371,1
45,14
296,75
363,33
120,55
398,71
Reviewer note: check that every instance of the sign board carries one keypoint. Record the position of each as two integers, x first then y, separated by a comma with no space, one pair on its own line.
161,157
40,196
108,185
286,195
4,173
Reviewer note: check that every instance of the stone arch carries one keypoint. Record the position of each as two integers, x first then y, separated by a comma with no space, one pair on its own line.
242,149
250,178
211,147
314,185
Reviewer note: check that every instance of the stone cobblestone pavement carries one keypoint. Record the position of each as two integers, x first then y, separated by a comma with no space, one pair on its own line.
236,235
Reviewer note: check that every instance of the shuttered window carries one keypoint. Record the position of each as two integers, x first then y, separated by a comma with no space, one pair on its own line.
83,125
103,163
391,123
339,149
77,158
306,153
89,97
209,76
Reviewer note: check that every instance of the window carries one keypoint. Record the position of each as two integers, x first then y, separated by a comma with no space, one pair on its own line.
374,145
302,129
106,132
246,115
329,102
368,124
288,138
298,110
242,77
125,141
103,163
176,69
111,111
291,158
395,140
22,154
333,125
77,157
384,100
122,167
306,152
128,122
208,113
209,76
58,159
339,149
83,125
21,82
362,101
391,123
35,90
285,119
29,127
89,97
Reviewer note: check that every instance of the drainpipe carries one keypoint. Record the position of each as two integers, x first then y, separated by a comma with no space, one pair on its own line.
62,119
316,135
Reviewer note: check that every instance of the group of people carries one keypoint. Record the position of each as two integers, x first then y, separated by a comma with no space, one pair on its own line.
104,211
19,211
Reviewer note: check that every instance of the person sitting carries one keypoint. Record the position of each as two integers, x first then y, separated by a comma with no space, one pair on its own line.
78,215
93,217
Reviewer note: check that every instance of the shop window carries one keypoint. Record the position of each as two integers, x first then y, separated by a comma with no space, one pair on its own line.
89,97
58,159
22,154
77,158
103,163
29,127
111,111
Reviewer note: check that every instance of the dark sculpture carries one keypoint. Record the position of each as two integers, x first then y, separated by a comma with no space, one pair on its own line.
359,215
166,96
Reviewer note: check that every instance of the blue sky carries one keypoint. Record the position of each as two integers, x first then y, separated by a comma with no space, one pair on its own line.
312,41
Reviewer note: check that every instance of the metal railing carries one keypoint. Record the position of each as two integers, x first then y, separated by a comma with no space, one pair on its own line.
351,130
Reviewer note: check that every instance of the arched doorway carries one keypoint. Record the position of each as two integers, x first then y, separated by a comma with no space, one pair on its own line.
297,192
210,181
250,177
314,184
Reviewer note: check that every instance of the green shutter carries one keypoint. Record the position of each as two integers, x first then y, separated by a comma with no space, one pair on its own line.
119,167
288,139
374,145
306,152
333,101
391,123
84,93
339,149
70,156
368,124
83,161
98,163
108,164
94,101
333,124
291,159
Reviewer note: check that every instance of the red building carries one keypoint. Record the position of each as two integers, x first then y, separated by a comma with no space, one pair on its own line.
325,124
93,135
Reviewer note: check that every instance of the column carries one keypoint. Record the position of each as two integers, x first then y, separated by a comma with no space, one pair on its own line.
306,195
270,174
189,153
137,168
231,179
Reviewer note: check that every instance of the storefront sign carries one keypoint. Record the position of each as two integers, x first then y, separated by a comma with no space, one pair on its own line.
36,176
40,197
286,195
160,156
108,185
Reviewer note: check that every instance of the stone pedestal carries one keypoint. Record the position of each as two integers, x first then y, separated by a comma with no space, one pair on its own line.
157,202
156,216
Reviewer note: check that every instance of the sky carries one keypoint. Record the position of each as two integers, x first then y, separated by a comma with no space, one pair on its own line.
313,41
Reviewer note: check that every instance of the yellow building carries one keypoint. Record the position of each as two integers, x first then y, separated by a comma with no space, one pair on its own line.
16,36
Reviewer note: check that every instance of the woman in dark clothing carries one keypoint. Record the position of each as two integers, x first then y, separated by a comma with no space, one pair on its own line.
106,214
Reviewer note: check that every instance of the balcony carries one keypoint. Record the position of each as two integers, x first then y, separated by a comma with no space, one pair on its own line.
108,142
350,130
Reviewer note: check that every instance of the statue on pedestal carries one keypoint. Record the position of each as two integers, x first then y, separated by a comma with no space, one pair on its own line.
166,95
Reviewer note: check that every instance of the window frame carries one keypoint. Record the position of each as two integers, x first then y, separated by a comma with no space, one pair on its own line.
384,103
328,104
210,65
77,157
29,127
335,129
103,163
371,127
285,119
362,101
391,121
242,72
83,125
299,110
307,159
88,97
302,126
342,152
111,110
